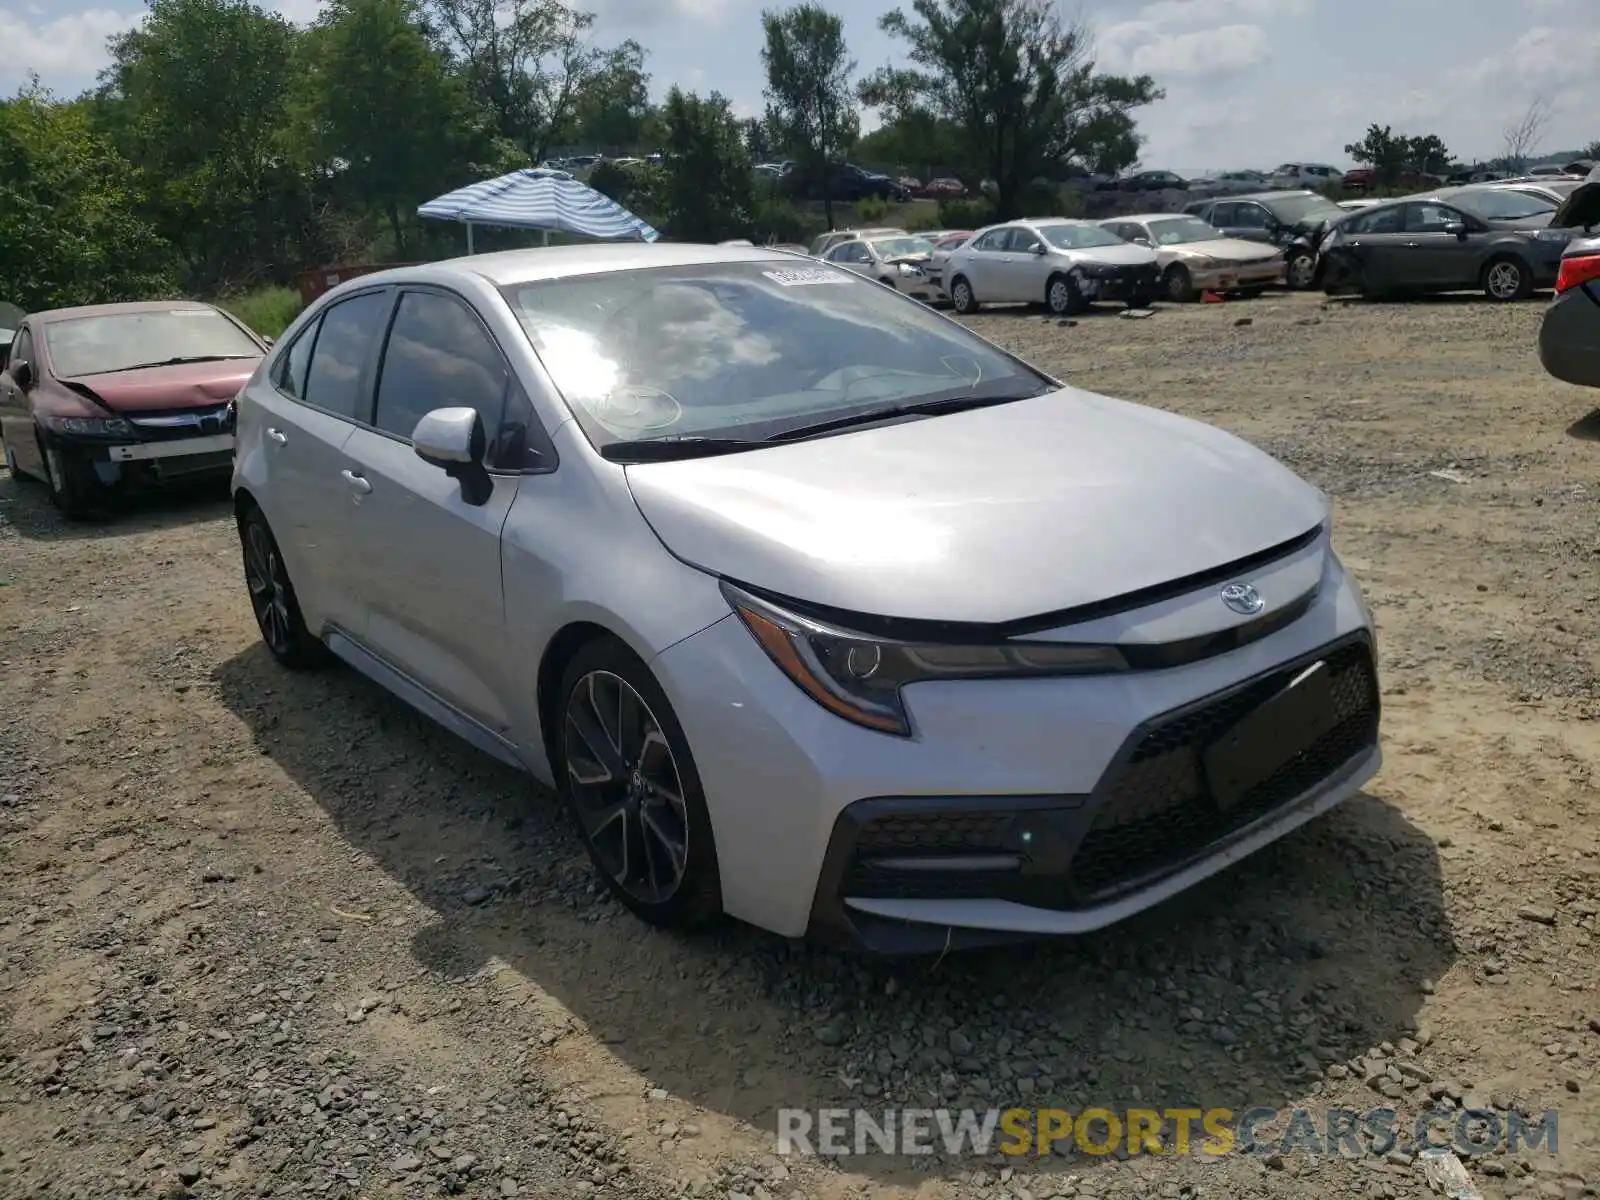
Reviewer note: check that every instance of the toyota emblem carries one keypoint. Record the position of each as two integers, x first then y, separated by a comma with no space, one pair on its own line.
1243,599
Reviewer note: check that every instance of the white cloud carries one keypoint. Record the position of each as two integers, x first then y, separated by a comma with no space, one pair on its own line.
1194,38
68,49
1221,51
1212,12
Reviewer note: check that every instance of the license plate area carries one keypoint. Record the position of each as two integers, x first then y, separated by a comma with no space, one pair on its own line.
1255,748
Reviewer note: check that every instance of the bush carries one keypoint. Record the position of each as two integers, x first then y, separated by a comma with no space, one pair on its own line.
268,310
965,214
871,210
780,222
923,219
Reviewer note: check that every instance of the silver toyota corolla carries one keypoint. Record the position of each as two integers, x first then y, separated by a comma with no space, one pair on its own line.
817,608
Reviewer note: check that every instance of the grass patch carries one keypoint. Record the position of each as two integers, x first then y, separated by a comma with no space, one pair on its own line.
266,310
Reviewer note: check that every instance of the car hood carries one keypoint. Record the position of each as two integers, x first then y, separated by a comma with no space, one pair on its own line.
986,516
157,389
1227,249
1580,209
1115,256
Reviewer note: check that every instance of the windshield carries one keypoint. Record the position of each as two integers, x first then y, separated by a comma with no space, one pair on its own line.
1293,209
1503,204
1079,237
744,350
118,341
1180,231
899,247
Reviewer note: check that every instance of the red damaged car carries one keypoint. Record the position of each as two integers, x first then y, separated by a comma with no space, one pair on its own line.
104,400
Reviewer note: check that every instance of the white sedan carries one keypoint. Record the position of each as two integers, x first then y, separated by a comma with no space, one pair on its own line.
903,261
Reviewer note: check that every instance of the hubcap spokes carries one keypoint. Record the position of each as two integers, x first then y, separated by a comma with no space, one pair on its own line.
1503,279
268,585
626,787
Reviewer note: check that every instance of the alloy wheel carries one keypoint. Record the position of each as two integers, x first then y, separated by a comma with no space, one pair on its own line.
269,587
961,295
625,787
1301,270
1503,281
1060,296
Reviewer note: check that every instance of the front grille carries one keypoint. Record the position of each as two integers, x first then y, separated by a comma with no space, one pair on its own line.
971,832
172,424
1158,811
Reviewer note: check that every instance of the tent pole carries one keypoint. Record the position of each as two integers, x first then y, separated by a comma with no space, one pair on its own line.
469,237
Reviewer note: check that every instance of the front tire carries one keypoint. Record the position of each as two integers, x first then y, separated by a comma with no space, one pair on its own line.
1179,284
962,298
1506,279
1301,271
630,783
75,489
272,597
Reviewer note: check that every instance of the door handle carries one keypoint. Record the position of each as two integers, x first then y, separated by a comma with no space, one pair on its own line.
358,482
276,435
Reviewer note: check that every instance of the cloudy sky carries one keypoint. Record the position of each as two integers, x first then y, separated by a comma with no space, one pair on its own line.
1248,82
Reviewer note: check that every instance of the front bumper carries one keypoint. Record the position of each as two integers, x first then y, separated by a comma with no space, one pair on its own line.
1229,276
806,806
1122,283
142,459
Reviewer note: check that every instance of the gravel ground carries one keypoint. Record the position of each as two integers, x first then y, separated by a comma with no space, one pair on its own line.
264,934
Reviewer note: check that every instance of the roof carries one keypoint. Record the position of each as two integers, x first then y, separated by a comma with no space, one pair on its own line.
1155,216
509,267
51,315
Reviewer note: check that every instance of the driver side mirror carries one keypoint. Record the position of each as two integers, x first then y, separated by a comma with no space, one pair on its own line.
1038,248
453,439
1458,229
22,375
1145,242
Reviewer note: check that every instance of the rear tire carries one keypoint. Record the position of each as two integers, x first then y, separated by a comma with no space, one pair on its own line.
629,781
1178,284
1506,279
272,597
962,298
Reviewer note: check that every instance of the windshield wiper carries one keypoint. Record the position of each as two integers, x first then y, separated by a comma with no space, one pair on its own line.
666,449
181,359
928,406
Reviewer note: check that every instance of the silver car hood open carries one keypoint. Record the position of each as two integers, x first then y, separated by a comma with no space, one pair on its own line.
991,515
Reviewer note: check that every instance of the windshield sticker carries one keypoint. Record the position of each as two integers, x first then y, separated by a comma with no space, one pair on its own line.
806,276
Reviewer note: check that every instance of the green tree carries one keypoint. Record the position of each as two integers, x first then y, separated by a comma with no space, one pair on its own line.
1018,85
71,231
382,110
916,141
1428,154
809,104
1391,154
194,98
707,193
613,107
527,63
1591,152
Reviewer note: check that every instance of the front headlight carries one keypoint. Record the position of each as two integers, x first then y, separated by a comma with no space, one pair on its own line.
859,677
87,426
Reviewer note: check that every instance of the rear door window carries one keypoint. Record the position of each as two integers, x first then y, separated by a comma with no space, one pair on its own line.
337,379
1430,218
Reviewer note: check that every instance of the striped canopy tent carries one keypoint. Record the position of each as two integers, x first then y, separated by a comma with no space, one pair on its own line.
539,199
